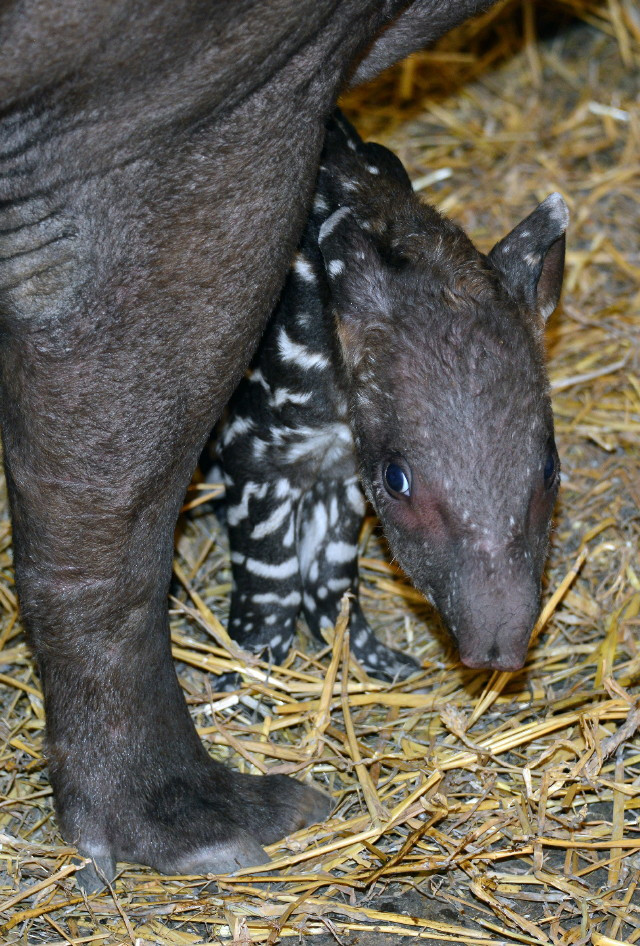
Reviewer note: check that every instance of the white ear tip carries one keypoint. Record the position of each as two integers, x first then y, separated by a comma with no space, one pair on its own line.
558,210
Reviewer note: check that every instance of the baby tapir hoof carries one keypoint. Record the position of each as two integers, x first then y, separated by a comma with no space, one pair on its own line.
379,661
200,835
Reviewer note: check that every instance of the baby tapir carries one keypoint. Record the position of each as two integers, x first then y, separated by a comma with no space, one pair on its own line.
401,353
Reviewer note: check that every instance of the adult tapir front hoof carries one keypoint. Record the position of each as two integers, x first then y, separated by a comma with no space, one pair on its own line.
241,850
181,830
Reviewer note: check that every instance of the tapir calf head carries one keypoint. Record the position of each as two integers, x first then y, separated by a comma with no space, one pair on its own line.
443,349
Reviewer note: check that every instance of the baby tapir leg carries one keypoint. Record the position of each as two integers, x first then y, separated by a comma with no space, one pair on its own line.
328,522
266,593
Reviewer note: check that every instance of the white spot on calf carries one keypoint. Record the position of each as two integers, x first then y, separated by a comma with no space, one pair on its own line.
320,204
309,603
335,267
282,487
372,169
303,268
338,584
340,552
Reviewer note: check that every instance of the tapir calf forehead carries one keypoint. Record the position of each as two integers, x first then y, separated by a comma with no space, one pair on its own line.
479,421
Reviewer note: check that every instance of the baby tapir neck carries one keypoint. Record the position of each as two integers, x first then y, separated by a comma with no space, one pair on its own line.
401,352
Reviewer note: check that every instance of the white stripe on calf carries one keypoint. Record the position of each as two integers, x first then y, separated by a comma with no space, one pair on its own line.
332,222
293,599
240,511
340,552
294,352
273,522
315,529
355,498
289,535
239,425
257,377
282,395
283,570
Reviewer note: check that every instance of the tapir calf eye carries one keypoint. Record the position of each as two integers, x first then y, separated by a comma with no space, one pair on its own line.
397,480
552,465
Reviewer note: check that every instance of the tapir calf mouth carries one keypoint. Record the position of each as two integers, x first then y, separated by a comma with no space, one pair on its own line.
493,657
507,663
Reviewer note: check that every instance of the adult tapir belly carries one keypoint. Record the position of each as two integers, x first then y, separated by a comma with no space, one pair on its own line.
156,164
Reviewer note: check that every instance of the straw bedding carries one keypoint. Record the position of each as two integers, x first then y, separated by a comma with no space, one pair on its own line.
470,807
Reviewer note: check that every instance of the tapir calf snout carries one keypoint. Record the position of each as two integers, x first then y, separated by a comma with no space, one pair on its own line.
495,619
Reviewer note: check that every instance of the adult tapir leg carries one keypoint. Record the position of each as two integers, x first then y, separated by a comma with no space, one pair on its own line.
108,394
156,160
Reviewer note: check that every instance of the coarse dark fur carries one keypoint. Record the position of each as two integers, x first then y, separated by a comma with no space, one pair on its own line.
156,166
395,332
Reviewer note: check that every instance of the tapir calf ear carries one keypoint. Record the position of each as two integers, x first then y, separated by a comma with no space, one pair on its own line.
531,257
357,280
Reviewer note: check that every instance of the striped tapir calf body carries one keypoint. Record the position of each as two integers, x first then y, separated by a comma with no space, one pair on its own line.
401,358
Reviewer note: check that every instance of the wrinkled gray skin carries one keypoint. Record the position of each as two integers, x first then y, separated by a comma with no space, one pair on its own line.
156,165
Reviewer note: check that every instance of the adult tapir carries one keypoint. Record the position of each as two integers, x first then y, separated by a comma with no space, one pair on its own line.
157,160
